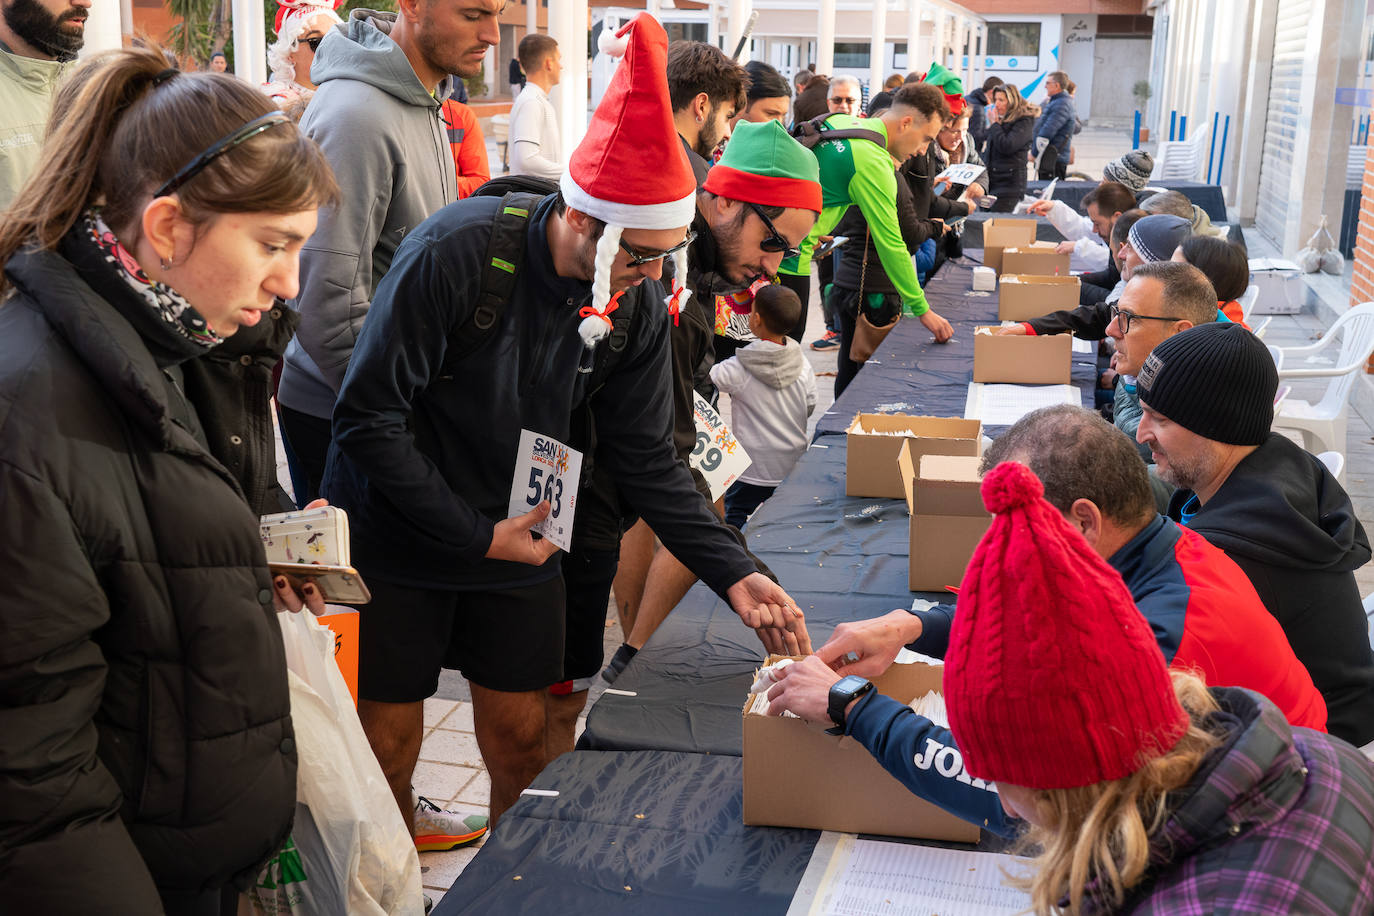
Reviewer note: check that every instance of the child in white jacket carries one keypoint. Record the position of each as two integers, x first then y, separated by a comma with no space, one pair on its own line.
772,392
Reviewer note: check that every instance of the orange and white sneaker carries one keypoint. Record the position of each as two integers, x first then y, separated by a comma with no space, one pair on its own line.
437,830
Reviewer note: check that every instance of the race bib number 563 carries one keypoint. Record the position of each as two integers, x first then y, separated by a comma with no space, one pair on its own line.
546,470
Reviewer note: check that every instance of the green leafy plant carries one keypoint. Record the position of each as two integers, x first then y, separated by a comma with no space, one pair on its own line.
1141,90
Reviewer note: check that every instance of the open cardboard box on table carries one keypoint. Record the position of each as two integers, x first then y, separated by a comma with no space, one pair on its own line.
1039,258
870,465
1026,296
796,775
1021,359
1002,233
947,517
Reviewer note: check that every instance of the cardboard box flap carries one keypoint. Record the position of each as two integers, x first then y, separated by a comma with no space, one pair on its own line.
1038,280
881,424
906,461
948,485
1032,247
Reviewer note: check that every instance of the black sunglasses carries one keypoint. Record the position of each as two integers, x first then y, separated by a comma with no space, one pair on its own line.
638,259
220,147
1125,318
314,42
774,241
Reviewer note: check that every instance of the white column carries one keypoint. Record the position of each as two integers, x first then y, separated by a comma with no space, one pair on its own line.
739,16
104,30
126,17
913,35
825,39
531,17
652,7
877,69
966,60
980,70
250,42
937,38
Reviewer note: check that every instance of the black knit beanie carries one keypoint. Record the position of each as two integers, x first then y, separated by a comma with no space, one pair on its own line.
1217,380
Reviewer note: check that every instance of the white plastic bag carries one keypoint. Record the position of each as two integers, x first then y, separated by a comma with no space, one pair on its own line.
1321,253
350,851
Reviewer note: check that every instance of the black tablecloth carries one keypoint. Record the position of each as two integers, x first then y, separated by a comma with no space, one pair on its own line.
1207,196
972,236
910,373
586,851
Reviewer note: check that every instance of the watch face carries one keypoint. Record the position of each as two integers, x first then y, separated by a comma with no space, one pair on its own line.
849,684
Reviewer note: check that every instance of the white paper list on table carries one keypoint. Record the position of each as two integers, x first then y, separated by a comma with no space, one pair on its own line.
871,877
1003,405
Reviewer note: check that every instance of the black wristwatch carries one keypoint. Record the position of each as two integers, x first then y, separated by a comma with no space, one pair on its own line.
842,693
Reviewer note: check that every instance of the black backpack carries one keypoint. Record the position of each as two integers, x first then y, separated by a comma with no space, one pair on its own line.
811,133
505,255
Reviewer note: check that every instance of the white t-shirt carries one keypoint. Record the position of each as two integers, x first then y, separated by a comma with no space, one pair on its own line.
534,144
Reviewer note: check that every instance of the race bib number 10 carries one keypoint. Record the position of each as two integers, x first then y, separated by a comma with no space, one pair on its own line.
718,455
546,470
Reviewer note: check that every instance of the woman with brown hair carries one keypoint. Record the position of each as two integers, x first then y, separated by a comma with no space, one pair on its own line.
149,759
1008,146
1146,792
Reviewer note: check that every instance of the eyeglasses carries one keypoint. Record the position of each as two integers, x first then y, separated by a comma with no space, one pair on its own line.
220,147
774,241
314,42
638,259
1125,318
841,99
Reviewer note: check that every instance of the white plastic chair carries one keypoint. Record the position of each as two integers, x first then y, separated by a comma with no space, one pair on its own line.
1181,160
1334,461
1247,302
1276,354
1323,424
1369,615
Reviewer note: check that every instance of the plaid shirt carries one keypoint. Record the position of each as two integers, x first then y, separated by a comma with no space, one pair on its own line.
1278,820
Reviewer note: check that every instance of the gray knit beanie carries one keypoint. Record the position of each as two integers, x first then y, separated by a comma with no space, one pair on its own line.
1217,380
1133,169
1156,237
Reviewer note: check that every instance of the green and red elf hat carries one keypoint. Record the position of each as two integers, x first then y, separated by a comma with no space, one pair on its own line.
948,82
764,165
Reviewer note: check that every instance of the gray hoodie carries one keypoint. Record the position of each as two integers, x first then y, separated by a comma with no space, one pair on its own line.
381,131
772,391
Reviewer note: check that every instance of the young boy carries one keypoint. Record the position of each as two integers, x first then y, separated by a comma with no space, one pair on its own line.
772,391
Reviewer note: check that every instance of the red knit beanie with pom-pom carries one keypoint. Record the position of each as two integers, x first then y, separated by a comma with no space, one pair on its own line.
1053,679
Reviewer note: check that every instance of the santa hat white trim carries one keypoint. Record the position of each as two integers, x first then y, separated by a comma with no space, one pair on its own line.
671,214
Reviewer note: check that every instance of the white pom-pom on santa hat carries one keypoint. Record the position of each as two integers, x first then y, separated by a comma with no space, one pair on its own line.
614,42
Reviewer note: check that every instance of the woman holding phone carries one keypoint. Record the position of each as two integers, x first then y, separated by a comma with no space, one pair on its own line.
149,760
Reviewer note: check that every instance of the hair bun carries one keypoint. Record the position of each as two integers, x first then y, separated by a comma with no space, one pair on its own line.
1010,485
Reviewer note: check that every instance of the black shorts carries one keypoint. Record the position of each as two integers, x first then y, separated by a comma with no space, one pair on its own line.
509,640
587,576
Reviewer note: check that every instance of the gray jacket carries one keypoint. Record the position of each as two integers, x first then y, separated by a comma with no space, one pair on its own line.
381,131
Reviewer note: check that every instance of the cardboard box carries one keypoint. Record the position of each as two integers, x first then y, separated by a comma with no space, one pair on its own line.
947,517
1021,359
870,465
795,775
1005,232
1040,259
344,623
1281,290
1027,296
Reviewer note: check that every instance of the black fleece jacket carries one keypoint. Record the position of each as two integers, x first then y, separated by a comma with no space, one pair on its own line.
1286,521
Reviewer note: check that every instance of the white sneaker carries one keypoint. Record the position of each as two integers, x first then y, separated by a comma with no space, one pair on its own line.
437,829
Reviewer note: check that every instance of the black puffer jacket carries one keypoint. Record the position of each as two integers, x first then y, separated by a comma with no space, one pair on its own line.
147,741
1007,155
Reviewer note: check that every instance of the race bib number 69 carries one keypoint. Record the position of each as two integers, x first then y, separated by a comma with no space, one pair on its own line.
546,470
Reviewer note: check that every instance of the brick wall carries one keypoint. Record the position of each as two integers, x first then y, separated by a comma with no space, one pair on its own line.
1362,280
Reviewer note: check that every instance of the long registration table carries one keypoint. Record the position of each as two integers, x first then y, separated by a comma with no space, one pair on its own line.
840,557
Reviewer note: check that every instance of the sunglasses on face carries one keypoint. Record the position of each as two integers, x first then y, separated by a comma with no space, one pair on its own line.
1125,318
773,242
839,99
314,42
637,259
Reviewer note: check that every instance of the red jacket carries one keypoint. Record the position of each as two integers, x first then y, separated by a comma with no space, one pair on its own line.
469,147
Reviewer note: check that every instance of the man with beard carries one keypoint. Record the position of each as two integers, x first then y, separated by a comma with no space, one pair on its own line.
37,40
428,431
758,203
706,89
1207,402
382,79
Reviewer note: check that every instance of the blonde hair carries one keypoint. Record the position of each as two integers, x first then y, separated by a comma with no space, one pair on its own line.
1017,106
1100,834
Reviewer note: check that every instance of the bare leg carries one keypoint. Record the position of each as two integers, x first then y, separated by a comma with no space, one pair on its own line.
510,734
667,584
636,552
561,723
395,731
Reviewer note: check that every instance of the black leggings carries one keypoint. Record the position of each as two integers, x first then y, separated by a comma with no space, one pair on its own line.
801,285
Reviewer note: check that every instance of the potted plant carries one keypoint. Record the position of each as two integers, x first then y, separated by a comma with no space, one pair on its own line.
1141,91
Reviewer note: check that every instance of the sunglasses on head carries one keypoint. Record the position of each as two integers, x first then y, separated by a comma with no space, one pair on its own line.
773,242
